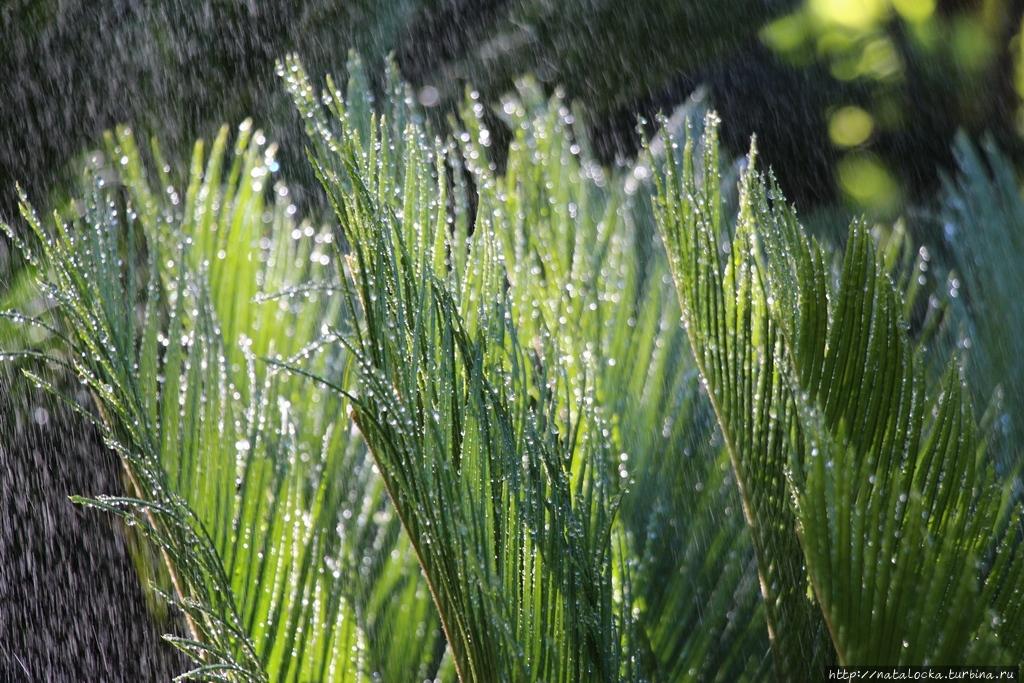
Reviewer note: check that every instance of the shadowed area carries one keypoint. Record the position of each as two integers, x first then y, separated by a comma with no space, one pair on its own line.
71,607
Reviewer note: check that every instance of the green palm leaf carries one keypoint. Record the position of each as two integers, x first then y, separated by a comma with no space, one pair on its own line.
734,339
277,536
500,474
485,416
899,517
982,221
588,283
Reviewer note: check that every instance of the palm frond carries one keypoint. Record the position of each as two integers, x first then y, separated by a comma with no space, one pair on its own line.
733,340
899,517
982,220
500,474
281,546
465,436
586,283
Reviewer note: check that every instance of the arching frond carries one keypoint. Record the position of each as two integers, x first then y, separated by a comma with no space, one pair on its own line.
501,477
982,222
878,495
734,342
277,536
589,282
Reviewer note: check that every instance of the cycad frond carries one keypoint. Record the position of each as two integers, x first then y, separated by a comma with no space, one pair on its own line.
982,220
734,341
510,349
240,474
501,475
588,283
822,399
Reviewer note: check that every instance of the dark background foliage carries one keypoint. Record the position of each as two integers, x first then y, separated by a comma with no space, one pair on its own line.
177,69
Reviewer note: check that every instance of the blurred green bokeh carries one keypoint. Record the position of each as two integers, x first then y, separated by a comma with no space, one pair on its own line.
856,101
925,67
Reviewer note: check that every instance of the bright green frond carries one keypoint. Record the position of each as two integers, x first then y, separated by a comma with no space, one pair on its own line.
499,471
734,341
588,284
280,544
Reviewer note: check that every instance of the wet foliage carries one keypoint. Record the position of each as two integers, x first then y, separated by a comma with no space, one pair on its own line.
875,510
509,415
